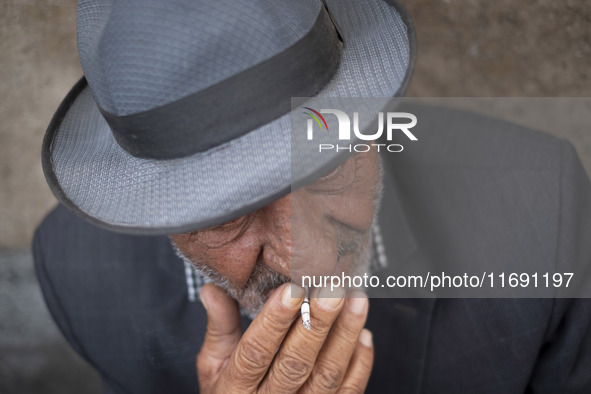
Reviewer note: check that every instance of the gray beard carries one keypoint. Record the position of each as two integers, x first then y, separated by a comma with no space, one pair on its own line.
253,295
264,280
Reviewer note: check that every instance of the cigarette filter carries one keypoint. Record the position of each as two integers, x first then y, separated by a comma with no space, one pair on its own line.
305,311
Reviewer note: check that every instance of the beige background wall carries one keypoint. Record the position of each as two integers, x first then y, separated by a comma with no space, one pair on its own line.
38,64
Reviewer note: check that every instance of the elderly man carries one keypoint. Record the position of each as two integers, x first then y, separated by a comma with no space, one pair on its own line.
178,147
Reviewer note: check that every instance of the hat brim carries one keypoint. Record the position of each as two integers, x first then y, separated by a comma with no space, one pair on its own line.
92,175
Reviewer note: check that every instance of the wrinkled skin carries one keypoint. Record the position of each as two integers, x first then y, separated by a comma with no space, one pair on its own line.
320,229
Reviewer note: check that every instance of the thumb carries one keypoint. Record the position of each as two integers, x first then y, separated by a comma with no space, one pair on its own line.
222,336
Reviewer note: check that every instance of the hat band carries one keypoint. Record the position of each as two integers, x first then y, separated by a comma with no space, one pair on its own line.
237,105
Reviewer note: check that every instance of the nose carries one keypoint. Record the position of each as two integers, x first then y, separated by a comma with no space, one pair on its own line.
276,221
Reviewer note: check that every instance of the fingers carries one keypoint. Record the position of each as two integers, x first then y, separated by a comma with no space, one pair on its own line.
297,356
223,333
277,354
360,366
254,353
334,358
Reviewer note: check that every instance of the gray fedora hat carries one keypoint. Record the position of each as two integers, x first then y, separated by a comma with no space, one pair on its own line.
182,119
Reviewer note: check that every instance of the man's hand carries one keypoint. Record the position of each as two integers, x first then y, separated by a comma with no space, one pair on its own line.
336,355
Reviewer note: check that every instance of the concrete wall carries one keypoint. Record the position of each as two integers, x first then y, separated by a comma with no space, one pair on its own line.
466,48
38,64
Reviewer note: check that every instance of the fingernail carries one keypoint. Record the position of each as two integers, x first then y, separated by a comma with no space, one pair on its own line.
292,295
330,300
357,303
365,338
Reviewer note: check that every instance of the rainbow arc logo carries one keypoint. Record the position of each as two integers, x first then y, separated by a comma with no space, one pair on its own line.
315,116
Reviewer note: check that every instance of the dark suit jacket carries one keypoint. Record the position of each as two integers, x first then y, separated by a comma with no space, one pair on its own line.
498,193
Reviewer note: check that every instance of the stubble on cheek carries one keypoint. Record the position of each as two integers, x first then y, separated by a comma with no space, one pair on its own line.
252,296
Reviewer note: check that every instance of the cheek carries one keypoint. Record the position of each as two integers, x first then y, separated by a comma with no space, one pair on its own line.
234,262
356,210
315,259
314,249
355,206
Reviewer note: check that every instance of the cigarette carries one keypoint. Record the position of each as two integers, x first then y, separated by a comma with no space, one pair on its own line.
305,311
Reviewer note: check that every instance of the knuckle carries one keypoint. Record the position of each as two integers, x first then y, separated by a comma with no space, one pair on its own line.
251,356
271,323
351,390
317,335
321,327
348,331
366,361
327,376
292,368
